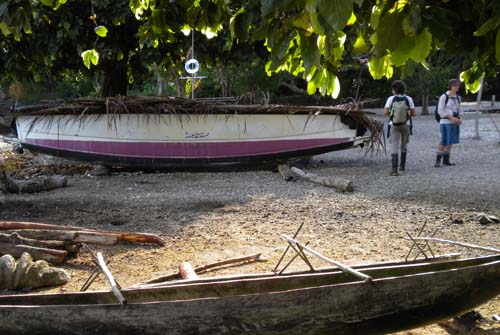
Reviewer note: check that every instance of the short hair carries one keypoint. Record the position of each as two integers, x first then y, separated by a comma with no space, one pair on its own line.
452,82
399,86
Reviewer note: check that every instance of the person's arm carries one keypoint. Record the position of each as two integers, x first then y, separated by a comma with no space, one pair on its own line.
413,111
388,105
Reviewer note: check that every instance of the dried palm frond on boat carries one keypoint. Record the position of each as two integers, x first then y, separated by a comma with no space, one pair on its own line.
175,131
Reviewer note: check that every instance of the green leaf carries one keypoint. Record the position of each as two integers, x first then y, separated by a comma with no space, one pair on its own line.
47,2
402,52
490,24
310,52
90,56
380,67
497,46
360,45
101,31
422,46
317,27
336,87
471,79
375,16
336,13
412,22
390,32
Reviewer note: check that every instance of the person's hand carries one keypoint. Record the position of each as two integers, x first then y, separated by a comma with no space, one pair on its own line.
455,120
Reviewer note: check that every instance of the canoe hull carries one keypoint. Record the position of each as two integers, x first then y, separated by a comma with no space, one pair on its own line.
165,139
385,305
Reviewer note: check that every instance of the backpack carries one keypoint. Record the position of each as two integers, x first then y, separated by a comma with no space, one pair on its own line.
436,112
400,110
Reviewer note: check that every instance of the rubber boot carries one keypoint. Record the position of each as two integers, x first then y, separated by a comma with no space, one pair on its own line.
402,164
439,155
446,159
394,171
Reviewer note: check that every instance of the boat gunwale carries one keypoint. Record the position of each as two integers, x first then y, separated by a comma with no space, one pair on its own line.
214,281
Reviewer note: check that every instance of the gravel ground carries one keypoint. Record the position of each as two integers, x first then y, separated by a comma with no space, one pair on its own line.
207,216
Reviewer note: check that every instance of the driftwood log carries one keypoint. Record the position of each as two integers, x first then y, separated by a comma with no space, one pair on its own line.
121,236
31,185
286,172
15,238
336,182
49,255
68,236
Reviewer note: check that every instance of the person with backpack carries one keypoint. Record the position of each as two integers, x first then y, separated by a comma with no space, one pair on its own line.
449,113
400,109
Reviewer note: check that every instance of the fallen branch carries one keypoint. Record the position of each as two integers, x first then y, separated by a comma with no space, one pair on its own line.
122,236
15,238
339,183
68,236
203,268
49,255
32,185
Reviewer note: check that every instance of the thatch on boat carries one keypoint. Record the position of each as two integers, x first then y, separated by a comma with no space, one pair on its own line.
350,114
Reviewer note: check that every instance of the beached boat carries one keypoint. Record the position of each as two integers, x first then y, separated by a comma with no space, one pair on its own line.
180,132
399,296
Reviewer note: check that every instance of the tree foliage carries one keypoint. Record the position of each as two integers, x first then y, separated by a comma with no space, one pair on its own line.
308,38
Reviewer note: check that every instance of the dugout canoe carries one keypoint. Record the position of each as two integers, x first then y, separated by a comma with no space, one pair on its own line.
179,132
400,296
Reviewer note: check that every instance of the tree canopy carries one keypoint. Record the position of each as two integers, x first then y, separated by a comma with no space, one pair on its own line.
308,38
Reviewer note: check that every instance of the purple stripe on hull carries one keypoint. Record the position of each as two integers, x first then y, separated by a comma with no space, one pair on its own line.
187,150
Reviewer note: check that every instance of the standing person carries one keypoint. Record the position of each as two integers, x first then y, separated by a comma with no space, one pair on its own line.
400,109
451,114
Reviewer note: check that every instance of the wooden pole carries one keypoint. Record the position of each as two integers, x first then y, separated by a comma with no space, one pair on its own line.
116,291
122,236
466,245
478,109
343,267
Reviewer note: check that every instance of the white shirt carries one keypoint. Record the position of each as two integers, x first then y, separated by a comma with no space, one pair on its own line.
452,106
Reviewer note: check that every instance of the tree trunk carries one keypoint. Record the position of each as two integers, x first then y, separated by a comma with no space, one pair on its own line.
179,84
50,255
425,102
115,79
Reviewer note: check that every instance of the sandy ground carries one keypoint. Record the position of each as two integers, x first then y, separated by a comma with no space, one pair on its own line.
209,216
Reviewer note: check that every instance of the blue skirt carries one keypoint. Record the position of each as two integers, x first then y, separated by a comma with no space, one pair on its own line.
450,134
